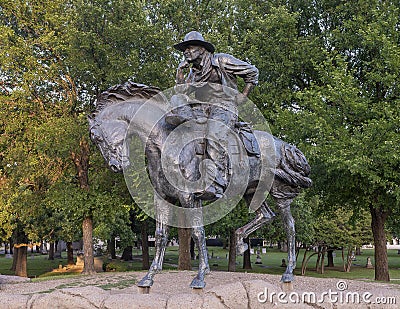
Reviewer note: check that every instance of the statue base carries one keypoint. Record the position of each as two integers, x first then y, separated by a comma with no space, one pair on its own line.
198,291
144,290
287,286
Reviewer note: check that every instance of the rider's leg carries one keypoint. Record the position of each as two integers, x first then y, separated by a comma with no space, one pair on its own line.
181,110
221,123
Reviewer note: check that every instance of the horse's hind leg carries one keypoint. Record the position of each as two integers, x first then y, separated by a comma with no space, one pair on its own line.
161,239
263,215
288,224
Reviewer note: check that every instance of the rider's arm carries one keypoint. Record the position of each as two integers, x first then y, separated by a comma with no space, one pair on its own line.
182,81
180,75
247,89
245,70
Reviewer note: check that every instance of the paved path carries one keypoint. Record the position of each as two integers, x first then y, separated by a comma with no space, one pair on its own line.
171,290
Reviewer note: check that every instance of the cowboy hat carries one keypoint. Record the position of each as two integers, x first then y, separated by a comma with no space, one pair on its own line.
194,38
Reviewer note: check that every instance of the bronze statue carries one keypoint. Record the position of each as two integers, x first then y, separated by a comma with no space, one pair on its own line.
180,131
124,111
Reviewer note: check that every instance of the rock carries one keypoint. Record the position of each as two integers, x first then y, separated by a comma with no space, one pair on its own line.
135,301
232,295
9,301
211,301
93,294
12,279
80,260
98,264
59,300
185,301
259,293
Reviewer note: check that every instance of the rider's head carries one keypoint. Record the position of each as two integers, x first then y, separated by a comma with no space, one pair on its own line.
194,46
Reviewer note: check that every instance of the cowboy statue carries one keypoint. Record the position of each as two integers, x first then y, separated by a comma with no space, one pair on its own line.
212,79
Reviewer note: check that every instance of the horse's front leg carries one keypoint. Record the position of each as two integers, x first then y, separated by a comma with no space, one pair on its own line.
198,235
288,224
161,239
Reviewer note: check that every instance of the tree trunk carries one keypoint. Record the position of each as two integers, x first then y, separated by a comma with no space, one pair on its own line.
15,258
349,259
88,257
70,253
145,246
20,255
57,253
232,251
127,254
344,263
318,259
322,270
22,259
225,243
330,259
184,262
51,251
379,216
81,161
246,255
111,248
303,263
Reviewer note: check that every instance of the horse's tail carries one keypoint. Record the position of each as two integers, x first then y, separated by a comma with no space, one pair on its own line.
293,167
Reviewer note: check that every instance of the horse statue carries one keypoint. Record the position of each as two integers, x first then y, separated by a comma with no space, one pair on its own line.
120,113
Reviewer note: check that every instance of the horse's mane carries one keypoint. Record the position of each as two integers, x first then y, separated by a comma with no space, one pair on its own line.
123,92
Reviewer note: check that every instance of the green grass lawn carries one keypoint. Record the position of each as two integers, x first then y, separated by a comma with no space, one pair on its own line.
39,265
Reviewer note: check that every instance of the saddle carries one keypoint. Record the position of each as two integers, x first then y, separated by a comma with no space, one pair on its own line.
183,112
248,139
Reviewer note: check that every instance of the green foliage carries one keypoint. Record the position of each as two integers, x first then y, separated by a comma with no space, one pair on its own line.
328,83
117,266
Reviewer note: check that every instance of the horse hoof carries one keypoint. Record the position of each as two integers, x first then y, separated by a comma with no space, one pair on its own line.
286,278
197,284
145,283
241,248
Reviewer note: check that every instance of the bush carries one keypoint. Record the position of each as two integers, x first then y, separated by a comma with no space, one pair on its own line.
117,266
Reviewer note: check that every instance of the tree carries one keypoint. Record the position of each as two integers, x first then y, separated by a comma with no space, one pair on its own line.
330,86
353,107
46,95
226,228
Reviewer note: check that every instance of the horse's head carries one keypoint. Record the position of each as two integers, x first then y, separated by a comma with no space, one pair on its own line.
109,136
